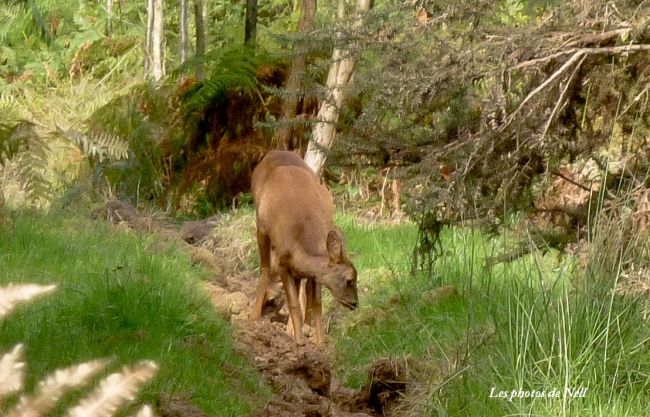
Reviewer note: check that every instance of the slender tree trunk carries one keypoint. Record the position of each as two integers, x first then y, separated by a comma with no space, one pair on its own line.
250,33
109,18
119,14
287,132
183,46
147,46
200,38
157,39
338,78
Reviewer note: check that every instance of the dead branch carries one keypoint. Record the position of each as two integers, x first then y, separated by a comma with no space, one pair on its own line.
571,180
539,240
589,51
596,38
577,54
534,62
561,98
543,85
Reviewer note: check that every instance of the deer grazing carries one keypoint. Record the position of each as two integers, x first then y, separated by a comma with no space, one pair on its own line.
297,240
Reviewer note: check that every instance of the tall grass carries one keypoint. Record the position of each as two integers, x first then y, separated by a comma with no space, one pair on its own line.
540,323
125,297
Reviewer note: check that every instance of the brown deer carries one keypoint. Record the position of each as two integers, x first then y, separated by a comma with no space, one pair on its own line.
298,240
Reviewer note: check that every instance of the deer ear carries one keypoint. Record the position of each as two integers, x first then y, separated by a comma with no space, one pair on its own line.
334,246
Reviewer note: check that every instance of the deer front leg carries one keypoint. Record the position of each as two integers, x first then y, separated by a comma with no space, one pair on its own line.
264,245
294,305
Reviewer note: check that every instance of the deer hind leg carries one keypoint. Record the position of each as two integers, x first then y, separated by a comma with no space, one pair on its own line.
309,301
302,299
264,282
295,313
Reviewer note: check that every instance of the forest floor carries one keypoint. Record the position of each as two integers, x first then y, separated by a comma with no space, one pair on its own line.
301,377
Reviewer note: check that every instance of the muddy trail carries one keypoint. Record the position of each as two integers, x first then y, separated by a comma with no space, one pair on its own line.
300,376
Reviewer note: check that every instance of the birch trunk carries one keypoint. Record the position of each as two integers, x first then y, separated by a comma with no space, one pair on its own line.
183,29
157,39
147,46
109,17
338,78
200,38
287,133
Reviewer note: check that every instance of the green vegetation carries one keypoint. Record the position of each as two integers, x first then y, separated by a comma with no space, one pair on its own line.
528,109
540,323
124,297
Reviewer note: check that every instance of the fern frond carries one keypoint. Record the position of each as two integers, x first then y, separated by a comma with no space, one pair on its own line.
114,390
33,163
53,387
40,22
12,371
21,141
9,13
100,145
12,295
234,69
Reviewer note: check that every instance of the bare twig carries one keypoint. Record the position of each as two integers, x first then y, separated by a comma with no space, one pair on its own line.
597,37
534,62
571,180
383,193
561,98
577,54
543,85
588,51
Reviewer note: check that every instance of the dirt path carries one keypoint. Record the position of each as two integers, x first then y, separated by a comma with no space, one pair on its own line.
300,376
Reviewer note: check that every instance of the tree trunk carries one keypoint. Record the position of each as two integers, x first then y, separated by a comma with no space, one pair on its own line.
157,40
147,46
338,78
183,46
109,17
200,39
286,135
250,32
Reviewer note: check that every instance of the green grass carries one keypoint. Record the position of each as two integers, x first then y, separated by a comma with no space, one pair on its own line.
116,299
538,323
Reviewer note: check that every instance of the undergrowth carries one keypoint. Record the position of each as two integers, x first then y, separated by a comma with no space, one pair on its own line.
541,323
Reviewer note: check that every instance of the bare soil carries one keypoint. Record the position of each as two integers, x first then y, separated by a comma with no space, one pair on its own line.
300,376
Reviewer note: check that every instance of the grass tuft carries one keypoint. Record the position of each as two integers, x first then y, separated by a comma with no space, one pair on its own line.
541,323
116,300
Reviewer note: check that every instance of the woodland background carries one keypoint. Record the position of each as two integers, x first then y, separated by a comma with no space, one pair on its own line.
509,139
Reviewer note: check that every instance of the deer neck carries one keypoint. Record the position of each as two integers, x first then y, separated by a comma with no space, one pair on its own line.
310,266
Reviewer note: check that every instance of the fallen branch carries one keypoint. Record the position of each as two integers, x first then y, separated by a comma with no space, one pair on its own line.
597,37
577,54
561,98
534,62
543,85
538,240
572,50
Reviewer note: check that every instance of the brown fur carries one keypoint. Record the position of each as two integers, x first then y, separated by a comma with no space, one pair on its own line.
298,240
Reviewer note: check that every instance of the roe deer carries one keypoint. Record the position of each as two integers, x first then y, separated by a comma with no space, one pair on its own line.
298,240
